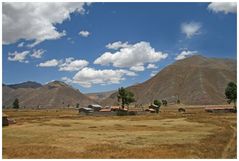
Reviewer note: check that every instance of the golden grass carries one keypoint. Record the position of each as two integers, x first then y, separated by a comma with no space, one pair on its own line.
65,134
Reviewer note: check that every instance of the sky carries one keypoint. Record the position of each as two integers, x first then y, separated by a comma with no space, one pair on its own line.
98,47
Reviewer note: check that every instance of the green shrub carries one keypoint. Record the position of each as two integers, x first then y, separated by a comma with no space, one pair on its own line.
122,113
132,113
16,104
164,102
125,113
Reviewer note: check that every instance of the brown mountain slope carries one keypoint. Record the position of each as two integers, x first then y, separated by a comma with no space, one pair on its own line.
54,94
100,95
195,80
10,94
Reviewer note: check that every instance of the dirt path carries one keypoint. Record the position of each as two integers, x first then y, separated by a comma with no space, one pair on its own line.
229,146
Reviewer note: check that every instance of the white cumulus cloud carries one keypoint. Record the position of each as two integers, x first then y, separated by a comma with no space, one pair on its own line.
49,63
90,76
226,7
138,68
133,55
84,33
151,66
37,53
117,45
191,29
71,64
184,54
20,44
66,79
35,21
18,56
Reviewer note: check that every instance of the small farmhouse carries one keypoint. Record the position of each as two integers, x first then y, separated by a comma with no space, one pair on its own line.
105,110
95,107
86,110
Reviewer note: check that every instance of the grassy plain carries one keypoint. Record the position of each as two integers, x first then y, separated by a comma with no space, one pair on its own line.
65,134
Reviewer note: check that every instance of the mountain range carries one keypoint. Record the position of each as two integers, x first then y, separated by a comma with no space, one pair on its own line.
52,95
195,80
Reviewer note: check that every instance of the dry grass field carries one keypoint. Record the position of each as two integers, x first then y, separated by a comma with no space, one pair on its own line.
66,134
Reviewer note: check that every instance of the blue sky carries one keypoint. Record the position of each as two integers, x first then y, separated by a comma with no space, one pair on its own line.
103,46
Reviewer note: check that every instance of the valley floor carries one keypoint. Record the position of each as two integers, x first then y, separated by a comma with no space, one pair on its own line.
66,134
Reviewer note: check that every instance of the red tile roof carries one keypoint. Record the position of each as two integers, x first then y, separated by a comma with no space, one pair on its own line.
105,110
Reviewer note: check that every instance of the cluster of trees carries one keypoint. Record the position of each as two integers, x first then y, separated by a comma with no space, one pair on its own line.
126,97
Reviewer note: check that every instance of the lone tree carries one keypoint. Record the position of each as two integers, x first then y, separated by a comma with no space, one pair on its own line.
164,102
178,101
16,104
77,105
158,104
231,93
125,97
